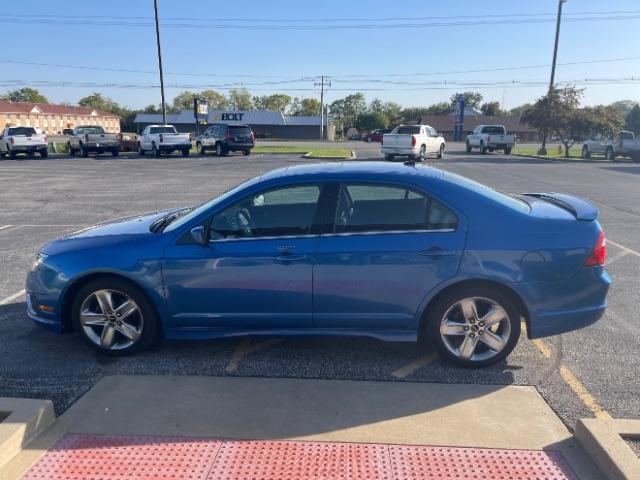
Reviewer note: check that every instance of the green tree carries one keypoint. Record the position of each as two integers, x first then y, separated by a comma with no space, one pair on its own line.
557,113
391,110
603,119
471,99
151,109
25,94
277,102
182,101
632,120
519,110
347,111
492,109
624,106
240,99
373,120
216,100
98,101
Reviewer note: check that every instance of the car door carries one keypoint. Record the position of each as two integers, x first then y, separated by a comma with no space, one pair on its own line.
255,271
434,145
389,246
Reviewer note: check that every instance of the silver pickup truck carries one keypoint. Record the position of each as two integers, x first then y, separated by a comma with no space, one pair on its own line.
93,138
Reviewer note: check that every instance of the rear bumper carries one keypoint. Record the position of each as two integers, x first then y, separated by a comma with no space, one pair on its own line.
500,146
562,306
238,147
28,148
164,147
399,151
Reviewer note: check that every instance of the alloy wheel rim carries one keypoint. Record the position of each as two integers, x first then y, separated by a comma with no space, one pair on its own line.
111,319
475,329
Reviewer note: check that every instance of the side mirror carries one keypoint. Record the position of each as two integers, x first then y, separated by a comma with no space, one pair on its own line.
198,235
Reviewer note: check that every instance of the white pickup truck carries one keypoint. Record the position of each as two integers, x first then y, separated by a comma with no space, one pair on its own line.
93,138
490,137
413,141
14,140
163,139
624,144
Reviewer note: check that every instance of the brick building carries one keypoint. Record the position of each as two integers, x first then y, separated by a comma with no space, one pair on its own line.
52,119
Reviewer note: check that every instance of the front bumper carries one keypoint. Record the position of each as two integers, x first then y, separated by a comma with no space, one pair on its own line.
567,305
49,320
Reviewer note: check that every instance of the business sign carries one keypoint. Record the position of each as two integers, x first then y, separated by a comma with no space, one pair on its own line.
200,108
231,116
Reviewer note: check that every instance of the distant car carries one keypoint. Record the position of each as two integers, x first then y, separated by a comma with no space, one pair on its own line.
413,141
128,142
624,144
392,251
490,137
375,136
160,139
92,138
15,140
223,138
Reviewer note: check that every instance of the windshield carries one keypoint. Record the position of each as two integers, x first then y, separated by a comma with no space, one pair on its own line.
153,130
26,131
408,130
91,130
494,129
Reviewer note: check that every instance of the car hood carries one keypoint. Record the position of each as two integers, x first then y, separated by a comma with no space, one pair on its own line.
109,232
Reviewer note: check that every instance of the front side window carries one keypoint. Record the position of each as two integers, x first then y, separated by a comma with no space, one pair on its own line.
287,211
384,208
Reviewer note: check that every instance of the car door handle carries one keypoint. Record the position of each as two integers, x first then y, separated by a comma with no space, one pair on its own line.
289,258
437,252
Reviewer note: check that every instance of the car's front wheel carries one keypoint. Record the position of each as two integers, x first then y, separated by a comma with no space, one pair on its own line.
115,317
473,326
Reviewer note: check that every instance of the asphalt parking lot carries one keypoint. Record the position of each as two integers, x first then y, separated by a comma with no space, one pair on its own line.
592,372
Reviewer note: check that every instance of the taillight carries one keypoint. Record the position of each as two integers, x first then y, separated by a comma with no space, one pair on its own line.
599,252
413,140
45,139
227,136
161,139
253,137
11,140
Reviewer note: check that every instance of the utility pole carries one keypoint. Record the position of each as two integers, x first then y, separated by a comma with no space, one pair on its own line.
323,82
164,107
543,148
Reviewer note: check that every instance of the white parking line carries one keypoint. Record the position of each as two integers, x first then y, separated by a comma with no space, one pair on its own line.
414,366
620,255
13,297
2,227
626,249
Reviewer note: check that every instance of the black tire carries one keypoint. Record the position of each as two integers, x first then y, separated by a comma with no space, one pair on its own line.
84,151
468,147
507,151
44,153
585,152
440,154
483,149
141,151
609,155
423,153
155,151
388,157
246,152
201,149
221,151
185,153
72,151
635,158
151,329
115,152
12,155
431,326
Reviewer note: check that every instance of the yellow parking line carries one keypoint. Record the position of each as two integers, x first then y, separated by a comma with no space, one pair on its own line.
627,249
245,348
414,366
570,379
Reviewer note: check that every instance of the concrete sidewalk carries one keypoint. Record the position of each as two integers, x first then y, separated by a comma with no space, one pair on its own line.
484,416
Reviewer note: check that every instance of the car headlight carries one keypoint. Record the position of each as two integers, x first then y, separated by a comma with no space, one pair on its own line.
40,257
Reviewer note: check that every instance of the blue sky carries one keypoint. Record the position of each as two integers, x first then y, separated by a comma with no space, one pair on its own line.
361,59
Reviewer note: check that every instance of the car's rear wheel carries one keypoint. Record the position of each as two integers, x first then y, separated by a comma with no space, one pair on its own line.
72,150
423,153
246,152
483,149
220,150
44,153
507,151
140,150
185,152
155,150
585,151
473,326
115,317
440,155
609,155
201,149
115,152
389,157
468,146
84,151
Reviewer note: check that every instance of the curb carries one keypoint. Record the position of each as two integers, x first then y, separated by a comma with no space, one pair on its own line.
309,156
21,420
572,159
603,442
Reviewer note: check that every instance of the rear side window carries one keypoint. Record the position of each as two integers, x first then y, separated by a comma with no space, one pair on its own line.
408,130
26,131
154,130
382,208
494,130
239,130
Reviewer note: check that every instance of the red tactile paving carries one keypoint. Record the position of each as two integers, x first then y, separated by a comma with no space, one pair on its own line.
93,457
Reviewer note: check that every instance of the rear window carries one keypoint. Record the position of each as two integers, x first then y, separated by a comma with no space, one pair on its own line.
505,199
408,130
153,130
626,135
239,130
495,130
91,130
26,131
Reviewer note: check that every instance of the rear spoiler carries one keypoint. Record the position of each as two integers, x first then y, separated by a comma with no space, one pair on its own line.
580,208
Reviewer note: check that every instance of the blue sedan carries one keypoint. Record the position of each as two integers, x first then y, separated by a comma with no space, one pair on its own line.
399,252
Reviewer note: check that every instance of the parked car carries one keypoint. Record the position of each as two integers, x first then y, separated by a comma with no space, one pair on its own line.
624,144
160,139
129,142
399,252
413,141
15,140
223,138
375,136
491,138
92,138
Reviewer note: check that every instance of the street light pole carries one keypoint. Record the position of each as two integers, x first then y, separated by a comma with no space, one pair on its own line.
164,107
543,149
